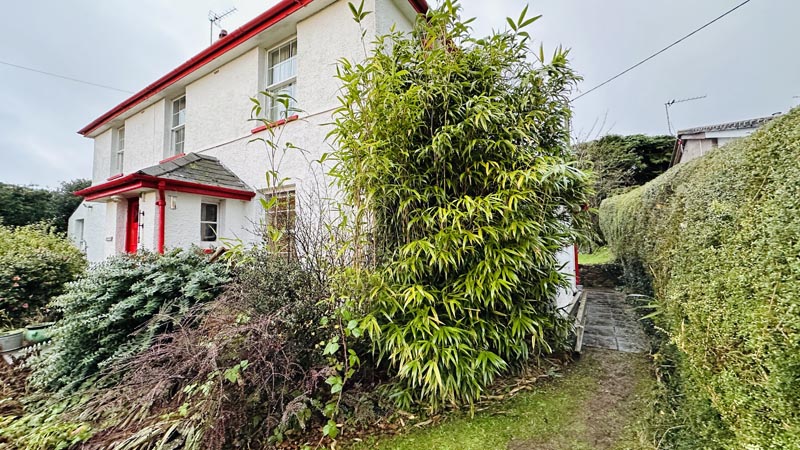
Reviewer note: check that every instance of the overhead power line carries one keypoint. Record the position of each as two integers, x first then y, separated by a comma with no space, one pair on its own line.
662,50
76,80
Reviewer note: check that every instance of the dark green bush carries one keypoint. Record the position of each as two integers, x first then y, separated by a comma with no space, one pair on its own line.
116,310
456,160
35,264
239,371
717,238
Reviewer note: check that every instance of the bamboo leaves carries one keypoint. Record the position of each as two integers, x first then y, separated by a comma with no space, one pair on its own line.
453,152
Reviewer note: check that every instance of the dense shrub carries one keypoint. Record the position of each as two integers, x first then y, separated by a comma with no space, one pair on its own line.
237,372
456,161
717,239
35,264
117,309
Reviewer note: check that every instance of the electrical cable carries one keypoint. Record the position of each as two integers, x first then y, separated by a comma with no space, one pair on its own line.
660,51
76,80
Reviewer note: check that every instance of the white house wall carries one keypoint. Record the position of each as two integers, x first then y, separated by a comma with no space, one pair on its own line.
101,165
390,13
144,138
92,242
218,105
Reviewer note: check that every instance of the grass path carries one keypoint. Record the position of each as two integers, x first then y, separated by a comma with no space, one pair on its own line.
595,405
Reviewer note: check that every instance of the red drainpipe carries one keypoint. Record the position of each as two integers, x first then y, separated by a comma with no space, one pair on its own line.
577,272
161,203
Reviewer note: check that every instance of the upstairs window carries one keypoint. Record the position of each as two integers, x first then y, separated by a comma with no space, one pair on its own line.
209,221
281,80
178,125
119,152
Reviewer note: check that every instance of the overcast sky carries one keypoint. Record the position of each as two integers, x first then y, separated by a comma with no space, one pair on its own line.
746,64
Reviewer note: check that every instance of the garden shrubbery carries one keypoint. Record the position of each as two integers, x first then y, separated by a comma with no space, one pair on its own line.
117,309
35,264
716,239
456,160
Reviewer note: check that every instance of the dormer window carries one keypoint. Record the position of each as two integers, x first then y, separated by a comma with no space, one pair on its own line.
119,151
178,125
281,80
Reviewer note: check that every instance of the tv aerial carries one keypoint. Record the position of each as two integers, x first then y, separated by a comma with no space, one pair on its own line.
672,102
214,20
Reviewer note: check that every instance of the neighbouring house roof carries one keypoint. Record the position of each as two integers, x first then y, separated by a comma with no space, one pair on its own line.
191,173
700,133
738,125
270,17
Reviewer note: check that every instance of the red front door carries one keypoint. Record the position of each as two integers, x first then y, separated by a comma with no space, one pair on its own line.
132,229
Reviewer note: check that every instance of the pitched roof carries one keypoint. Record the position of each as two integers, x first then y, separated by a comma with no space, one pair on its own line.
196,168
738,125
268,18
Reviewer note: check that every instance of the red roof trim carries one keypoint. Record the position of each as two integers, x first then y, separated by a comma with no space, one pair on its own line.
274,124
270,17
179,155
140,181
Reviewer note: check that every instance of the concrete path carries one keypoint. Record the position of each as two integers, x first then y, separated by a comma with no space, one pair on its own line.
612,323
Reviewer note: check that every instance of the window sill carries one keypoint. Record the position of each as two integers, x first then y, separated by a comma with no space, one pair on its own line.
114,177
171,158
277,123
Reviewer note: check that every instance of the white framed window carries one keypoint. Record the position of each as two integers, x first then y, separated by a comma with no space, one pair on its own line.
119,152
281,215
178,125
281,80
209,221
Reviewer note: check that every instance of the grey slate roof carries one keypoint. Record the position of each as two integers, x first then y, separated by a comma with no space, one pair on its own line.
739,125
197,169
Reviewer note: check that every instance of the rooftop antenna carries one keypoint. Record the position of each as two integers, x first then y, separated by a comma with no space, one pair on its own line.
672,102
214,19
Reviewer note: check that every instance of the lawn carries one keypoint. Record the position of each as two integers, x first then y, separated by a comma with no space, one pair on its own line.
594,405
600,256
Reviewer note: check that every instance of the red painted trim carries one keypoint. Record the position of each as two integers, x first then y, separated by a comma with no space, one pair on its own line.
162,215
420,6
265,20
277,123
577,267
171,158
114,177
140,181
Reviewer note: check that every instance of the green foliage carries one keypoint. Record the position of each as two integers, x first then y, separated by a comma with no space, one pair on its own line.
41,431
117,309
717,239
453,154
25,205
621,162
239,371
35,264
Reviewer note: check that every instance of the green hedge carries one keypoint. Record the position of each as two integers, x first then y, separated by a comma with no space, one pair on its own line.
35,264
717,239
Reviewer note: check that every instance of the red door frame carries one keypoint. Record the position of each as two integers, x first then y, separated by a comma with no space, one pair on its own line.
132,226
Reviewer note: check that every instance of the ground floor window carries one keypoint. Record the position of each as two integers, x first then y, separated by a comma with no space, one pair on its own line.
209,221
280,220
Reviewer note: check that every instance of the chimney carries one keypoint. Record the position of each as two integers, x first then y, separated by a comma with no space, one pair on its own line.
223,33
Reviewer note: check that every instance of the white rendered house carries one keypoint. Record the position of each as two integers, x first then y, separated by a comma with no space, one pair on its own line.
174,164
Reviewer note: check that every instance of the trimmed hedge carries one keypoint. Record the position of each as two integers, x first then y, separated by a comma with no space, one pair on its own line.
717,239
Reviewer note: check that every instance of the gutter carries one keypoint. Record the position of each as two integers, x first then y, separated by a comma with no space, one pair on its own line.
270,17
